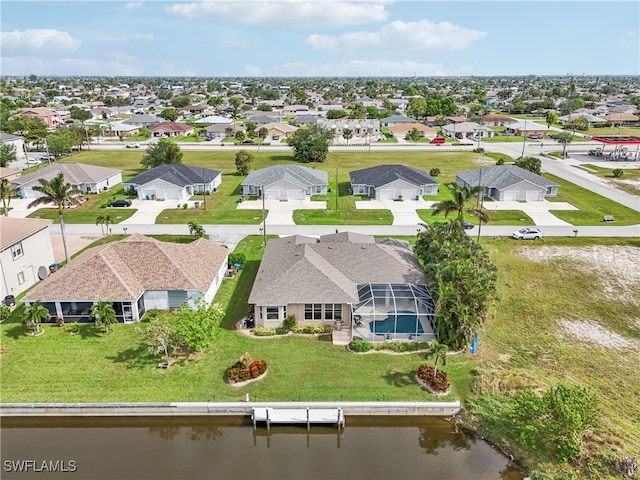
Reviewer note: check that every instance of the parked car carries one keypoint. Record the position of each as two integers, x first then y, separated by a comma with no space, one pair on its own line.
132,145
47,158
527,233
121,202
437,140
33,161
467,225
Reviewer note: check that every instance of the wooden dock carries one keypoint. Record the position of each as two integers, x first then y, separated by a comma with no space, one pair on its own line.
299,416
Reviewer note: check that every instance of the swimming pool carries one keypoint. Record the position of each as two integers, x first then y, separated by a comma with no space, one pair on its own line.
406,324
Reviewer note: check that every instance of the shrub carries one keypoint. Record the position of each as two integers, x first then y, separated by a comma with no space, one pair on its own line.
246,369
312,329
281,331
617,172
359,345
73,328
500,161
237,257
401,347
185,206
478,150
5,312
260,331
434,172
439,383
290,322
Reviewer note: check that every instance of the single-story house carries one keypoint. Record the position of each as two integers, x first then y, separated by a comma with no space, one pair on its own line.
628,119
396,120
466,130
214,120
392,182
119,129
25,253
509,183
403,129
173,182
87,178
589,118
373,287
16,141
135,275
279,129
360,128
286,182
222,130
170,129
528,128
261,120
143,120
496,120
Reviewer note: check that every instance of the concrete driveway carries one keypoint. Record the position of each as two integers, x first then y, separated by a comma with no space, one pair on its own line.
281,213
147,212
404,213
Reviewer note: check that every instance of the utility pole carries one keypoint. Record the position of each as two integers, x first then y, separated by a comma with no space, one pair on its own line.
264,219
204,188
337,190
481,203
524,137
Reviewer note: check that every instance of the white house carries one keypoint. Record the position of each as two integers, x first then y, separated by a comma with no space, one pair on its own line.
174,182
25,253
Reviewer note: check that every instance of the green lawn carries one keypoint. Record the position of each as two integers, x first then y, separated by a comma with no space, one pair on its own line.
499,217
592,207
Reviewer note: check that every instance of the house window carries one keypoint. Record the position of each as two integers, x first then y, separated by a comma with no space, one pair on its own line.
272,313
318,188
332,311
16,250
20,278
313,311
549,190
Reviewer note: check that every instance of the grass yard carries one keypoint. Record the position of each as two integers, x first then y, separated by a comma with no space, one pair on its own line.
592,207
629,181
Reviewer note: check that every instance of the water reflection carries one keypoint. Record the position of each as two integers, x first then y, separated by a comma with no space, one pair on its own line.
214,448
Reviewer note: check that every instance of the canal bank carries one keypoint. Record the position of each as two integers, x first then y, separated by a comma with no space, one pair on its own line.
183,409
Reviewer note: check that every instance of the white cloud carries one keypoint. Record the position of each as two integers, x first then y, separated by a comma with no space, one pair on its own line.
399,36
18,43
358,68
628,39
293,13
133,5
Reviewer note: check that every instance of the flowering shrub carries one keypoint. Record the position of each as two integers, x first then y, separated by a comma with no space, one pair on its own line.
241,372
439,383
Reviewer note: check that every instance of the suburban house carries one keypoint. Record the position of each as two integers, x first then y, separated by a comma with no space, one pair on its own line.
16,141
25,253
396,120
135,275
262,120
528,129
279,129
496,120
392,182
170,129
87,178
143,120
466,130
222,130
373,287
286,182
173,182
360,128
214,120
509,183
49,116
9,173
403,129
627,119
589,118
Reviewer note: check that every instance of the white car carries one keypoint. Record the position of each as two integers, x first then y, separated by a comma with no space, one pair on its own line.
133,145
527,233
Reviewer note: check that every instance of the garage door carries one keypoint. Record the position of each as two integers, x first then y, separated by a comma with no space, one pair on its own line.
532,195
272,194
295,195
410,193
511,196
386,194
172,194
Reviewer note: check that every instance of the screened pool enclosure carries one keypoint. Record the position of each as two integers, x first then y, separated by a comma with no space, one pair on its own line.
393,311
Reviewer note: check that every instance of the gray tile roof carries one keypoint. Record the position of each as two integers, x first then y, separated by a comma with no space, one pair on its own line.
383,174
143,119
180,175
123,270
303,176
304,270
74,173
398,119
502,176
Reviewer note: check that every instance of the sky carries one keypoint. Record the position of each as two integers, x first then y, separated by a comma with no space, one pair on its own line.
319,38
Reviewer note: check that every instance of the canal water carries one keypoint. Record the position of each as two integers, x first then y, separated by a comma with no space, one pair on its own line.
212,448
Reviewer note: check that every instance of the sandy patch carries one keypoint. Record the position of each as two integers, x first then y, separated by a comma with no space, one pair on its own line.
592,332
484,161
618,264
75,243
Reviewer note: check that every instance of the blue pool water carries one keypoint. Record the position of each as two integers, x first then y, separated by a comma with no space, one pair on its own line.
406,324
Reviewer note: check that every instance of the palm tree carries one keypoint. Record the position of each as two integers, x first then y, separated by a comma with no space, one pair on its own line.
6,192
104,315
460,204
62,195
33,315
196,230
438,351
104,221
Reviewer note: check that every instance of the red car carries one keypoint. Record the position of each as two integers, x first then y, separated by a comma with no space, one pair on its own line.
438,140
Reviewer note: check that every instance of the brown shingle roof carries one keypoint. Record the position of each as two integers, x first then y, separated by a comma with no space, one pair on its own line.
13,230
123,270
